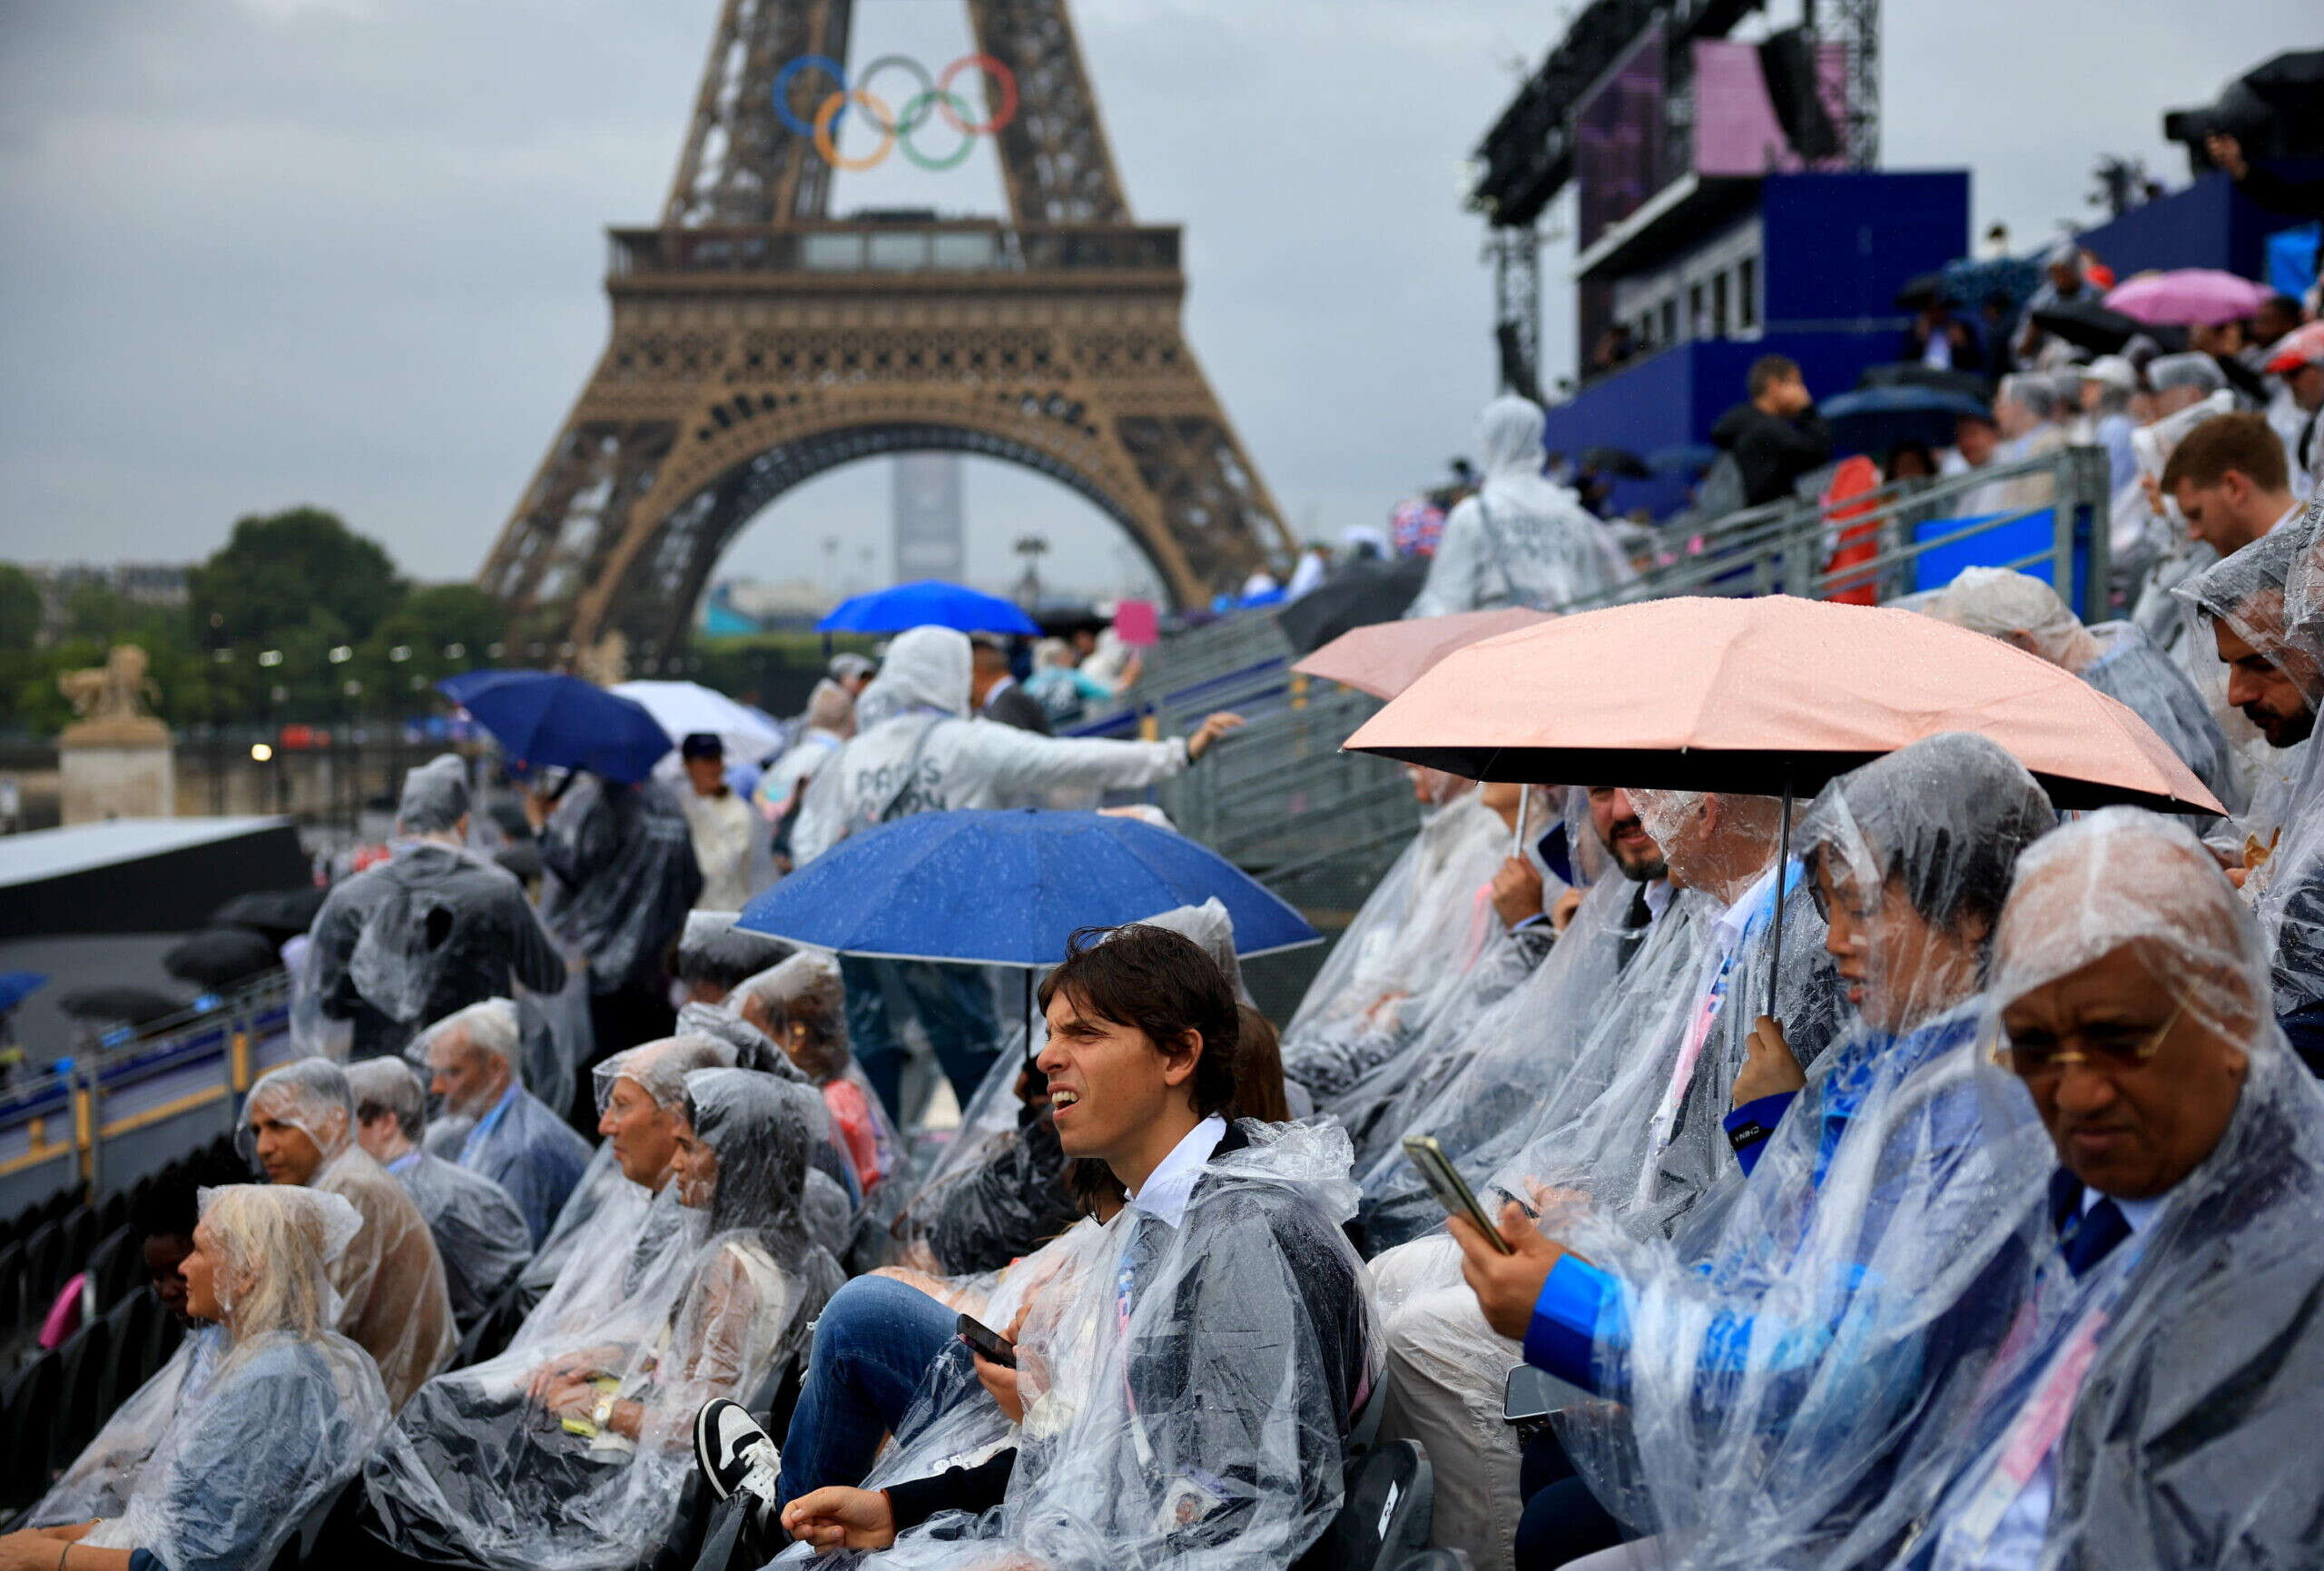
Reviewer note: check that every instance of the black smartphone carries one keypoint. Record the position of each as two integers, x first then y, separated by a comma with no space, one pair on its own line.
994,1348
1452,1192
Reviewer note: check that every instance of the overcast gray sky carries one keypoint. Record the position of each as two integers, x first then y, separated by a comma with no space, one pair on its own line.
347,251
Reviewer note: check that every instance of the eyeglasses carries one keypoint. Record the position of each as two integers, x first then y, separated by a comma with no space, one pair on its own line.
2106,1047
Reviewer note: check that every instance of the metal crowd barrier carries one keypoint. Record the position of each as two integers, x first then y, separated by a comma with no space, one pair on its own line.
101,1119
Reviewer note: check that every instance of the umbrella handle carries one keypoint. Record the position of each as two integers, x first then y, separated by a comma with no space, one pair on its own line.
1783,871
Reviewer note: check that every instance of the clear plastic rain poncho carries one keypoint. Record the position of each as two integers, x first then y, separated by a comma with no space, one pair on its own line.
998,1191
626,878
2115,657
480,1235
389,1279
1522,539
289,1408
2249,592
916,750
2189,1438
430,931
478,1472
1422,927
516,1140
101,1480
1188,1387
1772,1362
616,1238
800,1004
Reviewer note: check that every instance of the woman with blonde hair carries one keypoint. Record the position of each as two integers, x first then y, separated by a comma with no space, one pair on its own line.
285,1421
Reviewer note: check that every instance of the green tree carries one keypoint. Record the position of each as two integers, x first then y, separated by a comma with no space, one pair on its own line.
439,630
289,570
19,609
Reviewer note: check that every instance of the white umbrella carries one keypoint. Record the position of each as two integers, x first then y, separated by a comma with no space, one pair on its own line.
686,707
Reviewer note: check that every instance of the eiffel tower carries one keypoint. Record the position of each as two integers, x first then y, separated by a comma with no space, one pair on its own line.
758,341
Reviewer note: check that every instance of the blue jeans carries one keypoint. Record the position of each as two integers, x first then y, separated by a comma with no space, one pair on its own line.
954,1003
873,1342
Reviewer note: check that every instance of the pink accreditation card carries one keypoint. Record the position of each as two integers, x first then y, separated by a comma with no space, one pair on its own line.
2032,1434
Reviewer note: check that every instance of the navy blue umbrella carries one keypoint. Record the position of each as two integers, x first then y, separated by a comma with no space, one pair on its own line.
930,603
542,718
1873,419
1009,888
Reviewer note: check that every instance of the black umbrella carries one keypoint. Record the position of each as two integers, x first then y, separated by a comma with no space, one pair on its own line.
278,914
1619,463
136,1006
1943,378
221,957
1357,596
2101,330
1922,291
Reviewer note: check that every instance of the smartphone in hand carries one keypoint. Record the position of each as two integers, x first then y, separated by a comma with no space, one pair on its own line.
989,1344
1450,1190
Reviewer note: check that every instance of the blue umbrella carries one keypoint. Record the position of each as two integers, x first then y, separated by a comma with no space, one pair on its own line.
930,603
1873,419
543,718
457,688
15,986
1009,888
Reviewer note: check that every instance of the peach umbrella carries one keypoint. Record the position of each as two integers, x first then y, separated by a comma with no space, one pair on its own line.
1386,657
1773,695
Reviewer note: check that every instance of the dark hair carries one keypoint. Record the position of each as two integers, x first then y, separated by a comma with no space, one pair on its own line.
1259,1069
1768,370
1163,983
171,1205
2242,442
1092,1185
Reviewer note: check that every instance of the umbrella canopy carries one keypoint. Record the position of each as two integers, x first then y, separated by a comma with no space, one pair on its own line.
683,708
1874,418
929,603
1356,596
1030,877
1387,657
543,718
1925,289
2103,330
15,986
1686,459
221,956
1764,695
1943,379
136,1006
2187,297
1620,463
276,914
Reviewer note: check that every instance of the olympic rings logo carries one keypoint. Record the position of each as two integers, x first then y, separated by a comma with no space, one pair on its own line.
935,97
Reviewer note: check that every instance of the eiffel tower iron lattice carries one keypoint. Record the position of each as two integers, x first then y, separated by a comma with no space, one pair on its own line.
757,342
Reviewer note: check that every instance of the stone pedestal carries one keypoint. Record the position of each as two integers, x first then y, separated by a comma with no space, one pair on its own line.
119,768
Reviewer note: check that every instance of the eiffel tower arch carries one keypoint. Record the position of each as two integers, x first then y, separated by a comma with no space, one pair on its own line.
757,342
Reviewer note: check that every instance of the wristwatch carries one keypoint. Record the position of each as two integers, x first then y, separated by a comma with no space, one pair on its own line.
602,1414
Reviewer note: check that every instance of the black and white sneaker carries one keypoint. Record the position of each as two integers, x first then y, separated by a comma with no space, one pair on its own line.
738,1458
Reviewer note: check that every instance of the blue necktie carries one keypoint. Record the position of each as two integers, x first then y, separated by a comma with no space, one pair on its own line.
2084,1237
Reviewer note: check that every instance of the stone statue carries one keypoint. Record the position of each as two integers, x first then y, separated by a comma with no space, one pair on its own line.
116,690
114,761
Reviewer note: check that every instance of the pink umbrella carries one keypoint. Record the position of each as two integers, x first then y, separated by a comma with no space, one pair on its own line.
2188,297
1386,657
1775,697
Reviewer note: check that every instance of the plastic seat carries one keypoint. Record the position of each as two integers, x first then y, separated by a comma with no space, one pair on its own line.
113,1265
127,1327
718,1533
162,1339
12,1286
27,1417
78,1230
298,1550
114,1213
81,1363
44,1257
1383,1518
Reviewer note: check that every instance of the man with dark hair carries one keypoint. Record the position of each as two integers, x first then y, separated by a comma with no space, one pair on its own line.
1777,436
1232,1334
715,957
994,693
2229,478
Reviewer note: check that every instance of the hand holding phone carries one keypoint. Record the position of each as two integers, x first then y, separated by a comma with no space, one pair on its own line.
989,1344
1450,1190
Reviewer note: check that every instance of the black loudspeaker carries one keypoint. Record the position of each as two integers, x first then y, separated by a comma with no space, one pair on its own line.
1787,65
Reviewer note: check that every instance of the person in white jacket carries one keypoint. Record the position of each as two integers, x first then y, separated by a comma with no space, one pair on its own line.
918,750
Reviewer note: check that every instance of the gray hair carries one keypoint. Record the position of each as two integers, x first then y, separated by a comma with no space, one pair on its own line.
390,1086
490,1027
